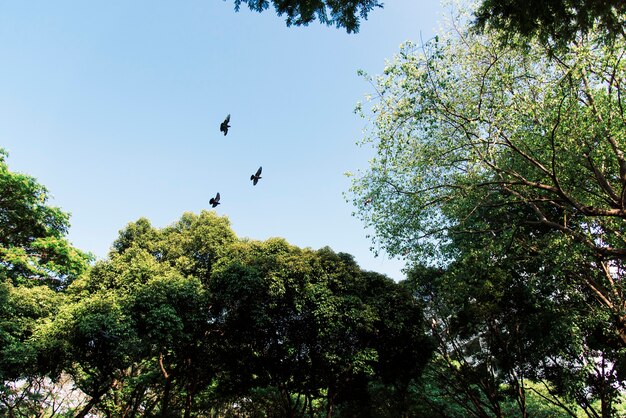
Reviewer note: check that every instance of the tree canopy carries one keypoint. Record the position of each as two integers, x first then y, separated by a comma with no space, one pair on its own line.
190,318
341,13
557,21
502,168
464,125
36,263
33,248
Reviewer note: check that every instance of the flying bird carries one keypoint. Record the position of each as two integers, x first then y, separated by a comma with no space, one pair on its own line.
255,177
215,200
224,125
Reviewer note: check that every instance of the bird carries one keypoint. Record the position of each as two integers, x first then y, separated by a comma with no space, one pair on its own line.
224,125
255,177
368,201
215,200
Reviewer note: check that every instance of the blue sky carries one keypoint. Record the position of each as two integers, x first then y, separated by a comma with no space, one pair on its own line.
115,107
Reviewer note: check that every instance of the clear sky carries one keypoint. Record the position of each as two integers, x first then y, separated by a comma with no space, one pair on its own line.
115,107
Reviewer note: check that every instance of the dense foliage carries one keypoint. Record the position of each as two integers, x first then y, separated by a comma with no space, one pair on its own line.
189,320
558,22
36,264
502,169
341,13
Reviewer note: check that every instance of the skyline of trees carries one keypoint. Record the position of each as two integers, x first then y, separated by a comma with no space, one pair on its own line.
190,319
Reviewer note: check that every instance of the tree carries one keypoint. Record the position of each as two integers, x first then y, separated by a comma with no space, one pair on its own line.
33,249
509,332
257,296
402,346
139,323
470,125
309,327
556,21
94,341
36,264
189,319
341,13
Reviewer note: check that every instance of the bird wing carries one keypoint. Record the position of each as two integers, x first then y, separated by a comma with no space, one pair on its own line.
224,125
258,172
217,197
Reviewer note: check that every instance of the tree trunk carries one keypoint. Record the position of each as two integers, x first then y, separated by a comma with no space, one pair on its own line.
330,406
310,398
605,397
621,330
189,401
165,400
92,402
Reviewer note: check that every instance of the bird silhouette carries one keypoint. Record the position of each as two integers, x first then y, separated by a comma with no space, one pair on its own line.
255,177
224,125
215,200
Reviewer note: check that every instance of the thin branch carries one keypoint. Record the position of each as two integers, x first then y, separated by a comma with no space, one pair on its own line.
614,145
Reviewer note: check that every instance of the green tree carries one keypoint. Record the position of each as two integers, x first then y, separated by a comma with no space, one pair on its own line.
93,341
555,21
33,248
188,319
36,264
507,335
258,297
154,278
312,330
341,13
402,348
505,167
467,125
